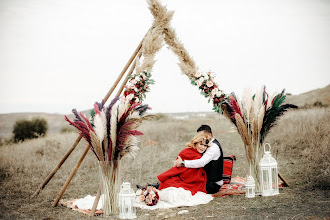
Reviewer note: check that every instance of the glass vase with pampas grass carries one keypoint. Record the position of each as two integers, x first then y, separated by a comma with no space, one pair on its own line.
253,116
111,134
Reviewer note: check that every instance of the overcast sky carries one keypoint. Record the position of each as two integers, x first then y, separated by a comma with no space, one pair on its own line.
56,55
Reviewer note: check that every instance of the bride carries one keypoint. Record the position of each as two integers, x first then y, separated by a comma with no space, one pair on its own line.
192,179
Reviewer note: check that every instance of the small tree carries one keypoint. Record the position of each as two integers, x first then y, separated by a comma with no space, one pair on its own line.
28,129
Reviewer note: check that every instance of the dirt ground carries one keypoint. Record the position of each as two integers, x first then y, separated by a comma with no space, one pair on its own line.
291,203
24,166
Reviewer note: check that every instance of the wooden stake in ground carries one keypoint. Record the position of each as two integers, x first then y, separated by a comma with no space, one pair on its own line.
43,185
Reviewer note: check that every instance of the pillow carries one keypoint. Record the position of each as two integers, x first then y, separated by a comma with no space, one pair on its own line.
227,168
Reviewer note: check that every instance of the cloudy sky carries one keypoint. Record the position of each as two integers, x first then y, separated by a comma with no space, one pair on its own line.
56,55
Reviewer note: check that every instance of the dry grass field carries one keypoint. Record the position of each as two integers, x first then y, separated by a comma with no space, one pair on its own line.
300,143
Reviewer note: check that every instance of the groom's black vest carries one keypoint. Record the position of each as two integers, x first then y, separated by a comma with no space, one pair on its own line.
214,168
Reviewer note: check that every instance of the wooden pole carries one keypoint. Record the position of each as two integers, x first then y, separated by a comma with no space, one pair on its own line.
87,148
284,181
71,176
57,167
124,70
129,73
42,186
96,201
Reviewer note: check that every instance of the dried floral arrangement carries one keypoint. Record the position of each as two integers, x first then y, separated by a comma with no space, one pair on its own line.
254,116
111,135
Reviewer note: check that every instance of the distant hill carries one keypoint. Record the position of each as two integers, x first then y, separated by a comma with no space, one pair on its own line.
309,98
56,121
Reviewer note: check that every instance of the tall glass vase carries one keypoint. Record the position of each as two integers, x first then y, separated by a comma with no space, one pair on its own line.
109,173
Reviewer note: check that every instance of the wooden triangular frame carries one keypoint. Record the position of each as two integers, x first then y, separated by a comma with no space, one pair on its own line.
148,47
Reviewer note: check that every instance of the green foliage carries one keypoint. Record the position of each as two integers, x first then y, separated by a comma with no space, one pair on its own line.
29,129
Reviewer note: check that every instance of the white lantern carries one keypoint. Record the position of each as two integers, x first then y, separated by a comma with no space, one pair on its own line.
250,187
127,208
268,174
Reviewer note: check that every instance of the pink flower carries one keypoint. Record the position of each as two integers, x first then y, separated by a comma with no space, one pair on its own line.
142,198
133,81
198,83
198,74
209,83
211,96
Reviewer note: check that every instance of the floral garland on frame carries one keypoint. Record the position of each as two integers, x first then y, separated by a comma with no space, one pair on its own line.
209,89
137,86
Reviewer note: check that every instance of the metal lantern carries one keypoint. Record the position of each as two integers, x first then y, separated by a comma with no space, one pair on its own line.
127,208
268,174
250,187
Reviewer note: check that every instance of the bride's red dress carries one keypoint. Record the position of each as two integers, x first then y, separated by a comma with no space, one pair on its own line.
192,179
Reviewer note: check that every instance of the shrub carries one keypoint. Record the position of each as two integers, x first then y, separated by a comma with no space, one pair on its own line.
28,129
67,129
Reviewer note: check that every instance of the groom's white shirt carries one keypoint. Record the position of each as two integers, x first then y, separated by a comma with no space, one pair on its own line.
211,153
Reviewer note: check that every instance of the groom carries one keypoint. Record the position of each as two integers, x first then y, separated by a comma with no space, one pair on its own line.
212,161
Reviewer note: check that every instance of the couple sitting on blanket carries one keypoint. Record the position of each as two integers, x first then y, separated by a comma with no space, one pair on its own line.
198,167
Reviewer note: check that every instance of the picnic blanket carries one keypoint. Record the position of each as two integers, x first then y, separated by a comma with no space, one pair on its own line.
167,199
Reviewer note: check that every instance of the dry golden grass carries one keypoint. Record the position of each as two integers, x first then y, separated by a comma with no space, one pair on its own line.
24,166
302,138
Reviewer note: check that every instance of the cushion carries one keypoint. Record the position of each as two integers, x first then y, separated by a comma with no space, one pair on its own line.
227,168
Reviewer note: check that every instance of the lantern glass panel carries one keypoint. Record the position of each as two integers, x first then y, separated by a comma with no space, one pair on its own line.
265,176
274,178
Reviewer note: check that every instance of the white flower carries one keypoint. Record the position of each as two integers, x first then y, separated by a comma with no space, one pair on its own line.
136,89
138,192
137,99
137,78
205,75
214,91
199,83
211,96
218,93
130,96
201,79
198,74
209,83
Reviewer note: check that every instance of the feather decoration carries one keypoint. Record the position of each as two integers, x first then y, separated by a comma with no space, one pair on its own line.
142,109
82,127
258,101
96,109
100,126
87,121
271,115
235,106
246,103
244,135
75,112
260,118
228,111
108,124
100,105
270,100
96,146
